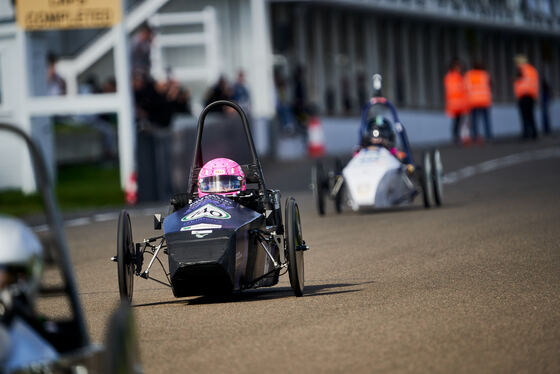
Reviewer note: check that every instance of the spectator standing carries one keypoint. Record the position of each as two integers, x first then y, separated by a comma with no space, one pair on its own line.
141,50
546,93
346,95
456,104
283,109
241,93
110,85
179,97
98,121
220,91
156,103
526,88
300,96
330,100
479,94
361,89
56,86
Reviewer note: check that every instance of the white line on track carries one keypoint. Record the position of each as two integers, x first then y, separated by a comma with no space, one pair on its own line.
500,163
448,178
41,228
105,217
78,222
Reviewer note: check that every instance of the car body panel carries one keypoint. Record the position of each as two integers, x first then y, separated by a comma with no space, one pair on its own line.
213,248
376,178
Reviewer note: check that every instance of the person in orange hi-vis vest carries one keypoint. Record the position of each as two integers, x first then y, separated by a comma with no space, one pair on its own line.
526,88
456,105
477,82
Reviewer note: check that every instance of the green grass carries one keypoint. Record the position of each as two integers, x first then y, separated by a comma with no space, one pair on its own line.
66,128
78,187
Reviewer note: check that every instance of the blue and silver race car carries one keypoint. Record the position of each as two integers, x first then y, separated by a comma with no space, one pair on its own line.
382,173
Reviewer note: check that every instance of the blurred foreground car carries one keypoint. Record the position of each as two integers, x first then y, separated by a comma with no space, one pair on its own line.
33,342
218,244
382,173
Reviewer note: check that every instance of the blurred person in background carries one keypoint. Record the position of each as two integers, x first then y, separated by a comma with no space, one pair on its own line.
219,91
141,49
179,96
147,109
241,92
546,96
157,102
456,102
330,100
144,96
90,85
361,82
283,109
56,86
477,82
110,85
526,88
155,105
100,122
346,98
299,105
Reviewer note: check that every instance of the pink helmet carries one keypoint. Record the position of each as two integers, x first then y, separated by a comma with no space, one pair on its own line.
221,176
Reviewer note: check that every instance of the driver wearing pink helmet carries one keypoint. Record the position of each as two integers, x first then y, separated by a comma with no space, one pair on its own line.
221,176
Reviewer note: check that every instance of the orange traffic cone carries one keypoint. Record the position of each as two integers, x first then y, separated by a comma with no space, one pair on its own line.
131,189
316,138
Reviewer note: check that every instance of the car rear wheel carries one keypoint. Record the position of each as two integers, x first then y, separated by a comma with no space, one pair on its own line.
294,247
427,185
319,185
338,199
125,257
437,177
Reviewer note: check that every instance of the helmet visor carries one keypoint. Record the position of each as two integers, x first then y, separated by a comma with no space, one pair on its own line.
220,183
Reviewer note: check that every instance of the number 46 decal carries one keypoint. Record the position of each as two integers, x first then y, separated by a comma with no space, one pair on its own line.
207,211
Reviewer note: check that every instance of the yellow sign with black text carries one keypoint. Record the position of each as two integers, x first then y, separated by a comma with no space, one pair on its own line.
67,14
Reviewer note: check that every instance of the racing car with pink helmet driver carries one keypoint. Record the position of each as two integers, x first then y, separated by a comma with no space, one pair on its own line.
225,234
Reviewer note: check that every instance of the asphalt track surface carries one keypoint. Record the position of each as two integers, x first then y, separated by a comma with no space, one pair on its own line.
473,286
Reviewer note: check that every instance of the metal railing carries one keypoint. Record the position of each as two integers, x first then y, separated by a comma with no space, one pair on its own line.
534,15
207,37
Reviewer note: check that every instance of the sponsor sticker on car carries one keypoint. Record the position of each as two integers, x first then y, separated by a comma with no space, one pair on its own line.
201,226
207,211
201,233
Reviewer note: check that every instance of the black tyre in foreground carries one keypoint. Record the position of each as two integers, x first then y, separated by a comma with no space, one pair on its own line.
125,257
437,177
294,247
426,179
319,184
121,343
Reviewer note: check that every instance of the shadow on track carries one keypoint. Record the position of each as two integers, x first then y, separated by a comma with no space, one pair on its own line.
409,208
263,294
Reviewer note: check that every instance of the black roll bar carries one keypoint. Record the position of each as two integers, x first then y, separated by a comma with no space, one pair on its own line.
54,221
254,168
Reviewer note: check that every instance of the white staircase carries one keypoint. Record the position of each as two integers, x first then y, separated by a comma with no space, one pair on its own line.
206,67
70,69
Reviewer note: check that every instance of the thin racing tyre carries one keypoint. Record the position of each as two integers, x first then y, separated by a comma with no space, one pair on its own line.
294,247
122,354
125,257
426,179
339,197
318,183
437,177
